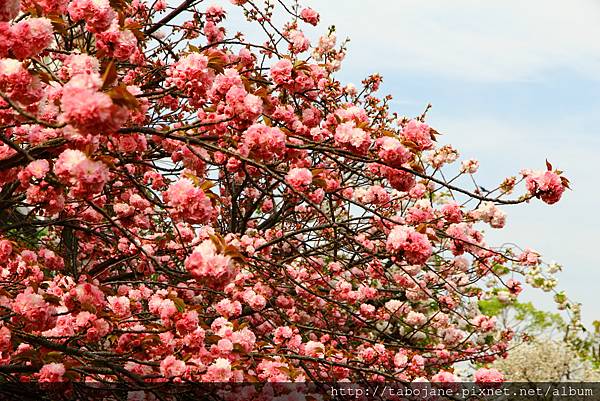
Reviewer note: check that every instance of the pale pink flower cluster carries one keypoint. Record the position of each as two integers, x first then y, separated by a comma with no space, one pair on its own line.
160,5
298,43
119,305
484,375
415,319
36,169
392,152
314,349
325,45
228,308
224,82
188,202
76,64
529,257
84,175
309,15
86,108
47,6
262,142
172,367
281,72
484,323
442,155
15,80
273,371
219,371
98,14
490,213
413,246
242,104
452,213
351,137
209,266
417,134
469,166
5,250
375,194
299,178
52,373
39,314
31,36
163,307
464,238
545,185
191,75
444,377
118,43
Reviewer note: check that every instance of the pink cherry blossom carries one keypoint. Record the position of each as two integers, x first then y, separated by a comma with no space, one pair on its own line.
188,202
309,15
299,178
418,134
205,263
97,14
281,72
413,246
485,375
31,36
85,175
172,367
545,185
52,372
9,10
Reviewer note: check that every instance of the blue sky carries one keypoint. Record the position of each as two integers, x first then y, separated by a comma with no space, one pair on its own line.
512,83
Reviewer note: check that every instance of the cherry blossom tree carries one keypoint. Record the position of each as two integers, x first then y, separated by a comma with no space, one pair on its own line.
180,202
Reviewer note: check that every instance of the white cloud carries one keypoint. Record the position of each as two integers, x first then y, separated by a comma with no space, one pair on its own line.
487,40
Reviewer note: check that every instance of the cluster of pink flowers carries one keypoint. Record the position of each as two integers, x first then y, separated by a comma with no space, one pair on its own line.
546,185
38,313
299,178
191,75
443,155
16,82
309,15
98,14
118,43
188,202
242,104
400,180
374,194
47,6
352,138
9,10
86,108
262,142
84,175
29,37
485,375
418,135
469,166
392,152
210,266
52,373
281,72
489,213
413,246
